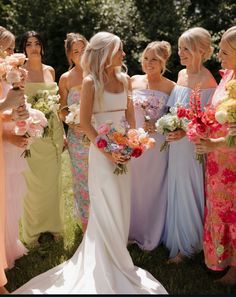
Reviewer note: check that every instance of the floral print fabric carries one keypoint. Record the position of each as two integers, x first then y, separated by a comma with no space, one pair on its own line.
220,211
78,150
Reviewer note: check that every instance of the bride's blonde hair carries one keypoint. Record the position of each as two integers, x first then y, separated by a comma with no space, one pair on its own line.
230,37
97,58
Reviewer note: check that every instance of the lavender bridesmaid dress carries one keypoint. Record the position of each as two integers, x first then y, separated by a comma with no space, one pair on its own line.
149,178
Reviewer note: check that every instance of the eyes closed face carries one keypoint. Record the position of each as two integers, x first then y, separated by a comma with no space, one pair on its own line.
77,51
8,47
33,47
150,63
227,55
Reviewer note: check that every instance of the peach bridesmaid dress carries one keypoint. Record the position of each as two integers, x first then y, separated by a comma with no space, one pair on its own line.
3,261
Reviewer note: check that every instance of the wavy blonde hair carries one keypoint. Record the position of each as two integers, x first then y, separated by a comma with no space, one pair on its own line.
71,38
97,57
230,37
6,38
197,39
162,51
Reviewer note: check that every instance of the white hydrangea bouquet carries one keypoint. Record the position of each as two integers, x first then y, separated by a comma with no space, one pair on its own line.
168,123
73,116
47,103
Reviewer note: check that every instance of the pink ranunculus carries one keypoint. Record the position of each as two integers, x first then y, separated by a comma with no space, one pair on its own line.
192,135
104,129
101,143
132,133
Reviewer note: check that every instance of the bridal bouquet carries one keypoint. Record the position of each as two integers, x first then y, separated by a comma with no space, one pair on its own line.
226,110
168,123
121,139
32,128
47,103
201,124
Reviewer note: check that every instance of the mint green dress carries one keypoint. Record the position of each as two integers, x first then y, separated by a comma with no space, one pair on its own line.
43,205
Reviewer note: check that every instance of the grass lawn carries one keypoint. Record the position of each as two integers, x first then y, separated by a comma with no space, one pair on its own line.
191,277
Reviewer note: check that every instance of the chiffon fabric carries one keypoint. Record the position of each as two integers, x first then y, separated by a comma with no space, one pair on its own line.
78,151
15,190
149,191
3,260
102,263
43,203
220,212
185,205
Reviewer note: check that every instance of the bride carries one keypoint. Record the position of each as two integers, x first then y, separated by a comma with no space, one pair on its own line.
102,263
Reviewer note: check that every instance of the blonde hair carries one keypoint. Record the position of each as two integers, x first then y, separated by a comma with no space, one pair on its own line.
230,37
162,51
71,38
6,38
197,39
96,60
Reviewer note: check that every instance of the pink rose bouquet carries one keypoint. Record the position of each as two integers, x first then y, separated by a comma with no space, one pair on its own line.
128,142
32,128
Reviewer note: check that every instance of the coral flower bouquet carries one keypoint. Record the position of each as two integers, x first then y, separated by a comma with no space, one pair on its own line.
120,139
226,110
201,123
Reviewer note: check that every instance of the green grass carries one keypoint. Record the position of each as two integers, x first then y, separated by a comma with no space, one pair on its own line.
191,277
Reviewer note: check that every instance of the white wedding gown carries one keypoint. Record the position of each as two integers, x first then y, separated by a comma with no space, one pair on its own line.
102,263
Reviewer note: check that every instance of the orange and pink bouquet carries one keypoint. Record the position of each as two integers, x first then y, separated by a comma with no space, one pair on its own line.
121,139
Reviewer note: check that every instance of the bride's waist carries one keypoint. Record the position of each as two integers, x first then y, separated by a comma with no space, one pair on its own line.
114,115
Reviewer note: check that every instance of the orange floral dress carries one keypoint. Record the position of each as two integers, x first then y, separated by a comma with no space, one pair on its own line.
3,262
220,211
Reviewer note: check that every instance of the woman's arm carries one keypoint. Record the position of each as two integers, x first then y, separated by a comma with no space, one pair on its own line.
86,108
63,92
129,113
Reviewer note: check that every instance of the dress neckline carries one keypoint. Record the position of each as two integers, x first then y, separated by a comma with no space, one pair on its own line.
193,89
151,91
105,91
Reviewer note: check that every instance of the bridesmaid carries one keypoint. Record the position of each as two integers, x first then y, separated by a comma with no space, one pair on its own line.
220,179
69,89
43,204
151,89
185,205
14,98
13,146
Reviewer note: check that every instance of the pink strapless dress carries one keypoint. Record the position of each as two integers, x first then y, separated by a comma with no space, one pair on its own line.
3,261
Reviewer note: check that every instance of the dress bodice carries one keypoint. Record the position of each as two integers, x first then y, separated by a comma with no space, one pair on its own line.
111,108
73,95
181,94
153,101
32,88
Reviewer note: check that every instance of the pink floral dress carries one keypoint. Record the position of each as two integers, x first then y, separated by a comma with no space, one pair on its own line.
78,151
220,212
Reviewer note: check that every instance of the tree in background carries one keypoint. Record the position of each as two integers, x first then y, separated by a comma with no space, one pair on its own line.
136,22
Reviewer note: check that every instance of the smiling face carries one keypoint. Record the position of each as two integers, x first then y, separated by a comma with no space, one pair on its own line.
33,48
77,50
185,55
150,63
227,55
